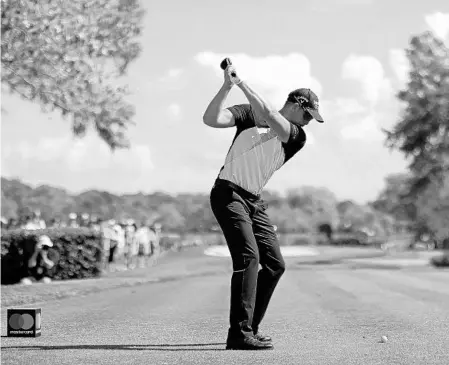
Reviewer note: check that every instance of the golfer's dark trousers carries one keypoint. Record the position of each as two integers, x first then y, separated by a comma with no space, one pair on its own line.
252,241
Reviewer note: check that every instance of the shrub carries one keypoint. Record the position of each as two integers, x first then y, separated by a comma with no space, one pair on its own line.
441,261
77,252
348,239
168,242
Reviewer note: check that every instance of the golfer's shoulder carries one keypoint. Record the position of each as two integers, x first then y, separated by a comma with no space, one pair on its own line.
295,143
243,114
297,137
240,110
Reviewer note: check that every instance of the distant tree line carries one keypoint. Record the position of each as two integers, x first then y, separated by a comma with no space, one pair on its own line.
304,209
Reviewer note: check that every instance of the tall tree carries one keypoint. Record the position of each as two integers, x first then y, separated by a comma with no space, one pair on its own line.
66,55
320,204
422,134
393,198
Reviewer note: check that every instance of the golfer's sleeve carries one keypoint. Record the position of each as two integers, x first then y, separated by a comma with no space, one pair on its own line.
243,115
296,141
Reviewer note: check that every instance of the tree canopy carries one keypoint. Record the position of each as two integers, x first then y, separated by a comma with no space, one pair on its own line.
422,133
66,55
187,212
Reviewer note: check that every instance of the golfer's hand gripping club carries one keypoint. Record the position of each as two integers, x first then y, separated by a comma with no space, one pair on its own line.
230,72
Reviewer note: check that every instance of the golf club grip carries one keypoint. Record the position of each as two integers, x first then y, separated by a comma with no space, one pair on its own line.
225,63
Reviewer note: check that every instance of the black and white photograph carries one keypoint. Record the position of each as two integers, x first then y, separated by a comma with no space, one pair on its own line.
224,182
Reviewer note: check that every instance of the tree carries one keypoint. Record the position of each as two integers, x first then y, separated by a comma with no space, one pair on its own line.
319,204
368,218
433,210
393,198
169,217
288,219
190,212
99,203
422,134
351,215
9,207
50,201
14,191
66,56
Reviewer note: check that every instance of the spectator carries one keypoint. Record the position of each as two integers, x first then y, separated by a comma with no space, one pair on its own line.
110,240
85,220
73,223
155,242
32,222
95,224
39,265
130,243
144,238
119,238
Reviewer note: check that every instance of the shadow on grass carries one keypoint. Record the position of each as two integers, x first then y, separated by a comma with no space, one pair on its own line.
148,347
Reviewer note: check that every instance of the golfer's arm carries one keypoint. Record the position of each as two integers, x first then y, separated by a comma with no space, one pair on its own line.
215,115
272,117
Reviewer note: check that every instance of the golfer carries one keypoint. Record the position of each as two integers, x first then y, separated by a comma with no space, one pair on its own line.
265,140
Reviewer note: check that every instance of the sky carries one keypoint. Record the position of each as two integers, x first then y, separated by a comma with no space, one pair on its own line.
350,52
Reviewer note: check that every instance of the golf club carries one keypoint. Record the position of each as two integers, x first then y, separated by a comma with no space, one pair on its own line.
225,63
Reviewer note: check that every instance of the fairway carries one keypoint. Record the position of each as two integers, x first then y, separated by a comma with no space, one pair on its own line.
320,314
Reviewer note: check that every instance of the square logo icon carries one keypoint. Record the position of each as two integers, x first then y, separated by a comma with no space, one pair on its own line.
24,322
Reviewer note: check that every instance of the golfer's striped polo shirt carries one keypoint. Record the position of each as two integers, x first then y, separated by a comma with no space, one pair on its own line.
257,152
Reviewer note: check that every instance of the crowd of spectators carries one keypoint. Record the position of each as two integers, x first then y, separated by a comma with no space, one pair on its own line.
126,241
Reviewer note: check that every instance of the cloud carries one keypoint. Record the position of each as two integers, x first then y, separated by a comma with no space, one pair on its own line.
400,65
365,129
274,76
172,75
79,155
361,117
173,80
368,71
342,108
174,110
352,120
439,24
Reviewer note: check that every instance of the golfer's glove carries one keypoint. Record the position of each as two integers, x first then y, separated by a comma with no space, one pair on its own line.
232,74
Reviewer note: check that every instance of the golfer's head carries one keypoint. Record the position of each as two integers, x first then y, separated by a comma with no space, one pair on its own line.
302,106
